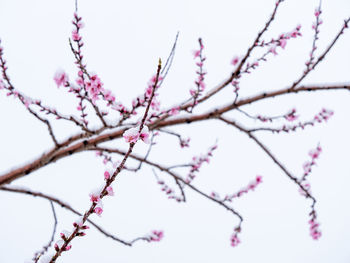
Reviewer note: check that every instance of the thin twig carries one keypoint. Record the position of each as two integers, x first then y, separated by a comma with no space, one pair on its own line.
63,205
48,245
172,174
269,153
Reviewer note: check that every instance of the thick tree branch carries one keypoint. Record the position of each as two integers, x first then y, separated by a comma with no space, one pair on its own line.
56,154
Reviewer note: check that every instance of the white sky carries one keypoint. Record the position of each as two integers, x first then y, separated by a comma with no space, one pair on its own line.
123,41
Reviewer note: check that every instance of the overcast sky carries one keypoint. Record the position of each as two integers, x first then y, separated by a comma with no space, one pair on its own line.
123,41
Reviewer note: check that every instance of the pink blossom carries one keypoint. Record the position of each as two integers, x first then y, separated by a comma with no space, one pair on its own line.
314,229
155,104
144,135
273,50
185,142
66,248
60,78
168,191
283,43
108,96
79,222
156,235
193,92
317,12
196,53
110,191
153,80
235,60
250,187
27,102
131,135
307,168
65,234
94,87
59,244
215,195
95,196
295,33
314,154
99,208
258,179
107,174
291,115
75,35
234,238
198,161
80,25
174,111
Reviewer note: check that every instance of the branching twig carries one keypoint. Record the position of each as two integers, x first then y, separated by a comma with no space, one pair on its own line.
64,205
172,174
269,153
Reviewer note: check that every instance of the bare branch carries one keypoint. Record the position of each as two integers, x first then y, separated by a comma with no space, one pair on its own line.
46,247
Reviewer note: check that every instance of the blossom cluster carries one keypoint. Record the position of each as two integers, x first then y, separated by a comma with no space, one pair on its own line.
272,45
197,162
234,237
185,142
97,194
250,187
307,166
142,100
169,191
314,154
155,236
323,116
88,87
289,116
315,26
315,231
62,244
200,85
281,40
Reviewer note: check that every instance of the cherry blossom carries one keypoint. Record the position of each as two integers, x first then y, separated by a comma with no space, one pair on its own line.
250,187
235,60
156,236
95,196
314,229
234,237
99,208
110,191
132,135
60,78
